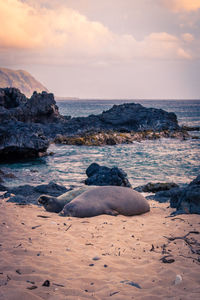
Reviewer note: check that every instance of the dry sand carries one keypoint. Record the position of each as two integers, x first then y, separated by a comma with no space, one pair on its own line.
63,250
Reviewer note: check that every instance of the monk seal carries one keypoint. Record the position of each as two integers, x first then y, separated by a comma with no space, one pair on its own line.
56,204
110,200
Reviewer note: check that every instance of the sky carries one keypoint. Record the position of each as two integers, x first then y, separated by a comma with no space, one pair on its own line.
131,49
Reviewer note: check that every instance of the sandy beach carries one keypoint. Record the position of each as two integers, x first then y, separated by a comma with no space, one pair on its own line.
103,257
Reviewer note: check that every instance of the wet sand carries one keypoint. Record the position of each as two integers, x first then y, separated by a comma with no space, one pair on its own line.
103,257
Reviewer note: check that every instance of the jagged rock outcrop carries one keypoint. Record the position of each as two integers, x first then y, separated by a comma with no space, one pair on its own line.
20,136
102,176
40,108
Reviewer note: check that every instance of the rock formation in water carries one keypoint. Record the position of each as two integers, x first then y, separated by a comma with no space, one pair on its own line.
121,124
28,125
126,118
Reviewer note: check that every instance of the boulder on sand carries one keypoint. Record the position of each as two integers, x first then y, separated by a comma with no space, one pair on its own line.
187,199
29,194
101,176
156,187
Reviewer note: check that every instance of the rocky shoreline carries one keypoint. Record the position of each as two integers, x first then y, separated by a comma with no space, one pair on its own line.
28,126
185,199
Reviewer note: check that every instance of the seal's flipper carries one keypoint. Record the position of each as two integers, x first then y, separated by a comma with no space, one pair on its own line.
111,212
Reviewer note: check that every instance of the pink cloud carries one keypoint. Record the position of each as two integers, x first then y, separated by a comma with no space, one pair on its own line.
182,5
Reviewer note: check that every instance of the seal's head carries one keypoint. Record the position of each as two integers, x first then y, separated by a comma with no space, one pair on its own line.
50,203
69,210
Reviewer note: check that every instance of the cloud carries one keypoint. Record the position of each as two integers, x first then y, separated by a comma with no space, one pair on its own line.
188,37
182,5
60,35
28,26
164,45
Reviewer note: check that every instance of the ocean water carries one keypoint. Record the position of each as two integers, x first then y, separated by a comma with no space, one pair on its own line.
147,161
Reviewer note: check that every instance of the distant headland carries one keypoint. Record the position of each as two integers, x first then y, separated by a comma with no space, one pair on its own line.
22,80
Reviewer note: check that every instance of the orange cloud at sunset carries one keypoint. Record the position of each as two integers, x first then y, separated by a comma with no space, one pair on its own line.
182,5
26,26
64,35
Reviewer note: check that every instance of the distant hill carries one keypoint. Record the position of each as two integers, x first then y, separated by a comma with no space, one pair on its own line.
20,79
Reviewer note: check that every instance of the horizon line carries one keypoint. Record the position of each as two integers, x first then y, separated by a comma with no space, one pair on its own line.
121,99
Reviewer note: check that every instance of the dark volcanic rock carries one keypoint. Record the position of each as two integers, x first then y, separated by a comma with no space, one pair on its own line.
26,194
121,124
20,136
21,200
195,182
156,187
28,125
101,175
136,117
51,188
165,196
124,118
40,108
11,98
2,188
185,199
19,140
188,198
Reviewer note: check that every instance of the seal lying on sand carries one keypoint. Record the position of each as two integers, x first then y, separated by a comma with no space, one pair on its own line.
110,200
56,204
